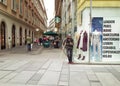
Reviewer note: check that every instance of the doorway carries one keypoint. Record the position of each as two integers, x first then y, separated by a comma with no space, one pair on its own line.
25,36
3,36
13,35
20,32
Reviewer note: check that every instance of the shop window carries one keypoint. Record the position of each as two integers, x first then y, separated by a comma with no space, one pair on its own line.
4,2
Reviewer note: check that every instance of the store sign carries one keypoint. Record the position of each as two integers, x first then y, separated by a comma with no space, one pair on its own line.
111,39
57,19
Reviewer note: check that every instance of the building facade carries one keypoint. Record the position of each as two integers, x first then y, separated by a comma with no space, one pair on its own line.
99,19
68,15
19,19
52,24
58,5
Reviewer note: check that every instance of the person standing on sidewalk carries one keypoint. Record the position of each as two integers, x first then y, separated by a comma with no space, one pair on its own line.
29,41
68,43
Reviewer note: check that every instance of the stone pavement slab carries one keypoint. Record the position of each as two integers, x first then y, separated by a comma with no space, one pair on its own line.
8,77
107,79
50,78
4,73
80,79
22,77
50,68
95,84
22,85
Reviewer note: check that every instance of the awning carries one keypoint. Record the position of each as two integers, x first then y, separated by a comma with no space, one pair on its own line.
50,33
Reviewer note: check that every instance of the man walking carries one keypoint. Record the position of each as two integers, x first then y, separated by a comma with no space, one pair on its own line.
68,43
29,41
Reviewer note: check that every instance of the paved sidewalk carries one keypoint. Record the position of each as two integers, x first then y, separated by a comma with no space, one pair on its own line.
49,67
21,50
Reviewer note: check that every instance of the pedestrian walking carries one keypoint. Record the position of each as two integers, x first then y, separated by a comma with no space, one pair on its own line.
56,42
29,41
68,44
40,41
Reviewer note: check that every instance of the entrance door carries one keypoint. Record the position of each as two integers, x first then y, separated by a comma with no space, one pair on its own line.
32,36
29,34
13,36
3,42
20,36
25,36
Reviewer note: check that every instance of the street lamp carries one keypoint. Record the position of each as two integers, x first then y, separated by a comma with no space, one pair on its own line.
37,29
55,29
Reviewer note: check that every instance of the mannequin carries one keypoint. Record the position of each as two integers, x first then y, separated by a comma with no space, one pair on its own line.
95,41
82,44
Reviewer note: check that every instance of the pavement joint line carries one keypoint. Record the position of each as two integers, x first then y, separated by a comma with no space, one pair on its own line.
36,73
2,61
6,70
94,80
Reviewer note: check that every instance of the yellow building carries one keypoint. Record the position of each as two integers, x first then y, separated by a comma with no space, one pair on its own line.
83,4
99,18
19,18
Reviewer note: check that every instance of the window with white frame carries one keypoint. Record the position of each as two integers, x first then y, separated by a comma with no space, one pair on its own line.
26,10
13,5
32,16
3,1
21,7
29,13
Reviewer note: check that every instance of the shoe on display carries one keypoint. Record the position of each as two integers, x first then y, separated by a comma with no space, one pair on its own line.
83,58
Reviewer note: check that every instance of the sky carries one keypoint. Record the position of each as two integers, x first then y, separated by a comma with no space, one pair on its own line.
50,8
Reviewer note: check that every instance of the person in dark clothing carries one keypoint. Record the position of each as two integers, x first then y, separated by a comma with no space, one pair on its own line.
29,41
68,43
40,41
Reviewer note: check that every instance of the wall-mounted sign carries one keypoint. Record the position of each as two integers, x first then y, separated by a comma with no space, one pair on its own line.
57,19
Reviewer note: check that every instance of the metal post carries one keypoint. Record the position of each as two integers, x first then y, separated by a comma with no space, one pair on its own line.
90,26
91,13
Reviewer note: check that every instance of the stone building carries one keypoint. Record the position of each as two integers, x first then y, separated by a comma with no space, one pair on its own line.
19,19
